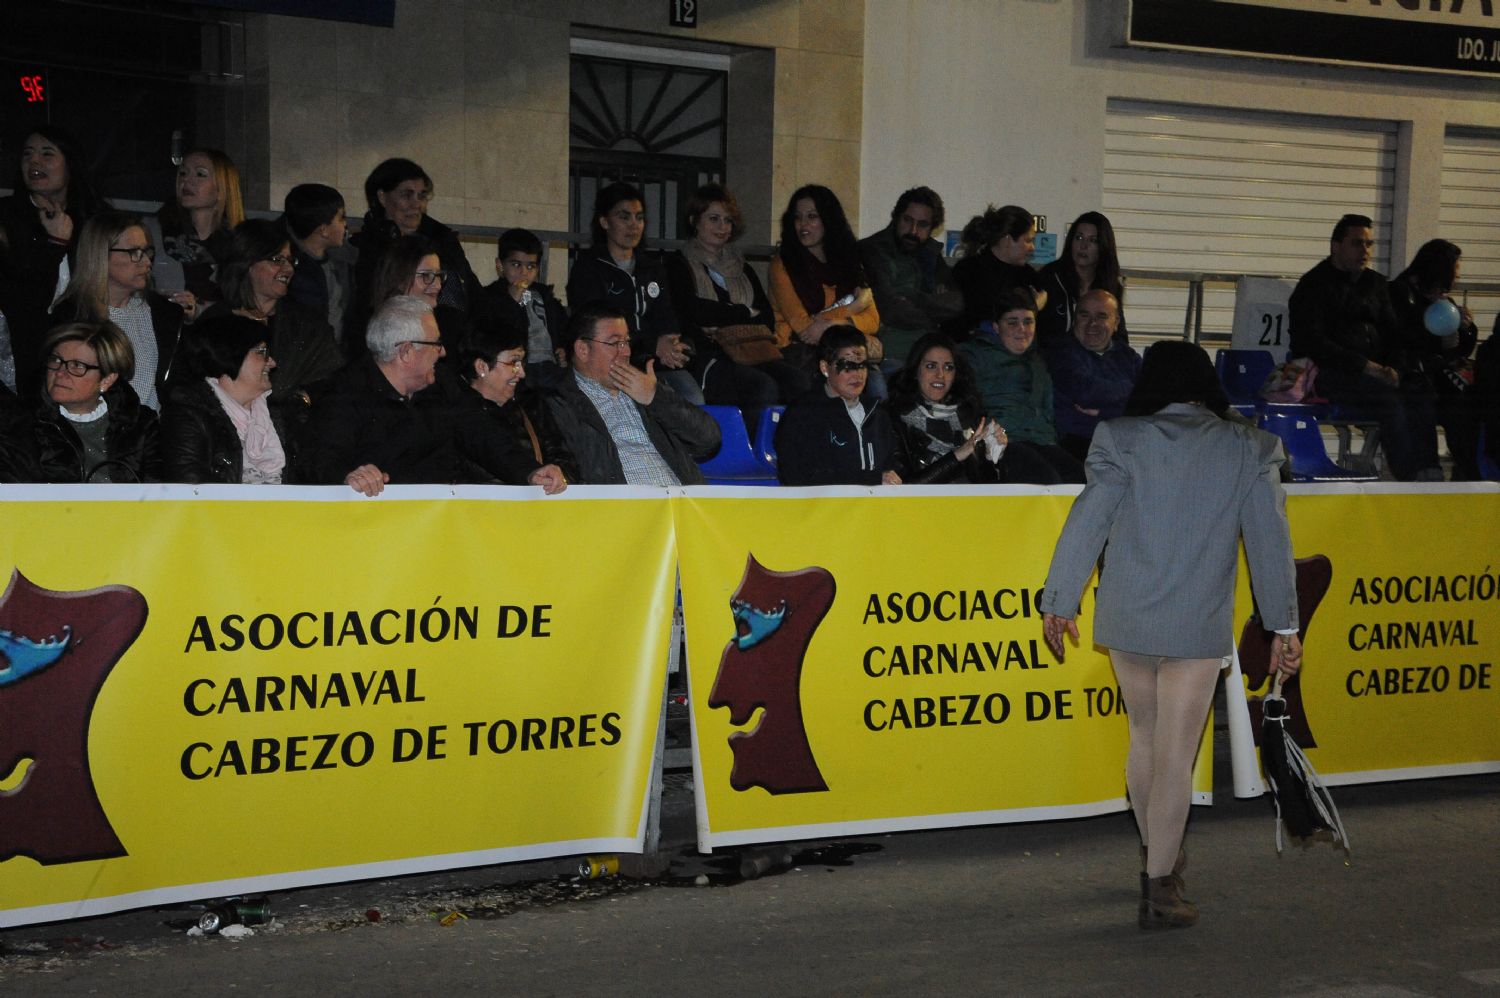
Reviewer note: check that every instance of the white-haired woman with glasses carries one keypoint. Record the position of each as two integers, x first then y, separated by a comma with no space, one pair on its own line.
256,275
111,283
90,427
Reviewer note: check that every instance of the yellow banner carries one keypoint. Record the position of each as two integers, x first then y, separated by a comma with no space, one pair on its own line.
863,663
1400,593
874,663
201,698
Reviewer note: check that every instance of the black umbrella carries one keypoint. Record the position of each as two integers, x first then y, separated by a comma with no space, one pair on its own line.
1304,807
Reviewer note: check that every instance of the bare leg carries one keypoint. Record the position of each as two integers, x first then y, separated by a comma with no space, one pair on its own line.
1167,700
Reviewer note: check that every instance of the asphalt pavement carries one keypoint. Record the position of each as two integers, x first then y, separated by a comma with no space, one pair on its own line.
1034,909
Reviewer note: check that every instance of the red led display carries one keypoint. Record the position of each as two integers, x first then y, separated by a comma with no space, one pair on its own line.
35,89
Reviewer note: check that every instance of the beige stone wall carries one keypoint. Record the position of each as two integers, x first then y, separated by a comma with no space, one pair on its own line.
477,92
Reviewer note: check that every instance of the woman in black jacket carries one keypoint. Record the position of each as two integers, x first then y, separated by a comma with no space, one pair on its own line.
1443,360
217,426
1088,260
397,192
51,198
90,427
255,279
613,271
997,245
837,434
492,365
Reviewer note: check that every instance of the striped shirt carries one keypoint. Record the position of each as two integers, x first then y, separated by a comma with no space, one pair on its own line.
135,320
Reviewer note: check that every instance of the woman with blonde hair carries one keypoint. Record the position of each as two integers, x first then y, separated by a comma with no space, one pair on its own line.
191,232
90,426
111,283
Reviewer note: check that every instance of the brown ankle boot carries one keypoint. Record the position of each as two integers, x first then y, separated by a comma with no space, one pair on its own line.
1164,907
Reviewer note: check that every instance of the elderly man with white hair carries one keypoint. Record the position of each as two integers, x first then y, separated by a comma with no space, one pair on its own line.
385,422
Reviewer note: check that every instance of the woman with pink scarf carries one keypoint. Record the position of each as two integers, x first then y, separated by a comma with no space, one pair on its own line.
216,426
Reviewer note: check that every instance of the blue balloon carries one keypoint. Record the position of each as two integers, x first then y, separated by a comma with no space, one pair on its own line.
1441,318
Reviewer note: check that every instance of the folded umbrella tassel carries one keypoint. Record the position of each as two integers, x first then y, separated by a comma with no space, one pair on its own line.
1303,804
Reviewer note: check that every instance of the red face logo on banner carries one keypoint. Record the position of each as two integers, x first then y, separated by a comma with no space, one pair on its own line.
775,616
56,649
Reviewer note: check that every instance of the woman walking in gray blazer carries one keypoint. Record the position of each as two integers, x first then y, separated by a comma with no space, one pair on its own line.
1172,487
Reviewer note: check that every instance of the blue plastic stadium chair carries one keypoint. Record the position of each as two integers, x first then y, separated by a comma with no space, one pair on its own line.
1242,372
765,434
735,463
1303,439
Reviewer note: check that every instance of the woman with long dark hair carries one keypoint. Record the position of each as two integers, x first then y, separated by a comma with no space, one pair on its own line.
1172,487
40,221
1088,261
1444,360
942,432
255,279
817,280
996,247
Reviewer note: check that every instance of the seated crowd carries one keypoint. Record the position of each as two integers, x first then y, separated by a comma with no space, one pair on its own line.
200,346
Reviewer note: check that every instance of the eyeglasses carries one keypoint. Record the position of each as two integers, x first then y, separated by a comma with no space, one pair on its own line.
425,343
136,253
407,194
514,365
76,368
261,351
428,277
282,260
846,366
608,344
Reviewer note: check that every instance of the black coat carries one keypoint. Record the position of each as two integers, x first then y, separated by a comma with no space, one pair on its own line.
462,290
922,468
818,444
198,441
500,308
643,296
530,406
166,324
420,439
29,259
983,279
132,443
1343,321
682,433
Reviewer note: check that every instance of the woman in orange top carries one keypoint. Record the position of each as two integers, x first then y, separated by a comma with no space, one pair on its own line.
817,280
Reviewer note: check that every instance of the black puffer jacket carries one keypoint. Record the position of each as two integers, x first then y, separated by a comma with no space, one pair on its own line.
198,441
132,442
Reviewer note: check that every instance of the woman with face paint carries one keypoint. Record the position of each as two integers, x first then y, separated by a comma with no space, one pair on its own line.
838,433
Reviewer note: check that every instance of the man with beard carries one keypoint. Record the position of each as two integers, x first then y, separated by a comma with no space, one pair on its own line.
908,274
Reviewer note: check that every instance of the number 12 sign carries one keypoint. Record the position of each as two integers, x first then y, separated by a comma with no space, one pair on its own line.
682,13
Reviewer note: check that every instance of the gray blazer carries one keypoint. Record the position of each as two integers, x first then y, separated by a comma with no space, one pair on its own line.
1172,494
